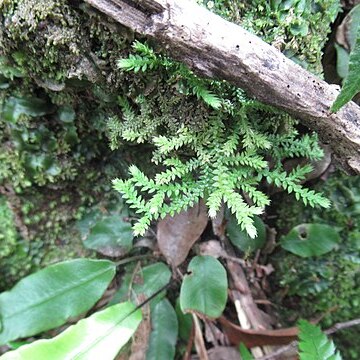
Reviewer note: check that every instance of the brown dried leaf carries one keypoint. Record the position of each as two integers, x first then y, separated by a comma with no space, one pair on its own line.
176,235
252,338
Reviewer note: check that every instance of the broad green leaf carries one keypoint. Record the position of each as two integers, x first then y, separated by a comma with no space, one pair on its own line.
314,345
241,239
185,322
163,336
48,298
147,281
204,288
15,107
111,236
100,336
307,240
351,84
245,353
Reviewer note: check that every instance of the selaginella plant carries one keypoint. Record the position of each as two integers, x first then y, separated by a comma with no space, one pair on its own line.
235,146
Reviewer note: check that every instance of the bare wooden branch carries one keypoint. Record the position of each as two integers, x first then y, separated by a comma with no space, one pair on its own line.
216,48
343,325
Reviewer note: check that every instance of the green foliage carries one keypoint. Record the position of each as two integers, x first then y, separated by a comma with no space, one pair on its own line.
314,345
63,96
48,298
190,83
198,294
308,240
164,335
328,284
298,28
150,279
245,353
14,251
351,85
185,322
8,233
101,335
241,239
14,108
222,157
111,236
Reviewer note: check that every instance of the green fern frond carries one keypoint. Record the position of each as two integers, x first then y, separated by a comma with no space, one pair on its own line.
309,197
314,345
215,155
290,147
143,49
252,139
207,96
136,63
130,194
166,145
258,197
243,212
213,202
177,171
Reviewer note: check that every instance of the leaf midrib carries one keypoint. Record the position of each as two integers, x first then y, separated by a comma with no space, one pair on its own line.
63,291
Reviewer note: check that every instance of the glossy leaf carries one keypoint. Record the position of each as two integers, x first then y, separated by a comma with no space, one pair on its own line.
204,288
307,240
351,84
100,336
164,334
111,236
15,107
147,281
241,239
185,322
48,298
314,345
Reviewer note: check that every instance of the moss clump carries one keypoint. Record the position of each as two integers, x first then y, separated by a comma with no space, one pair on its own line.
8,233
328,284
14,262
297,28
49,33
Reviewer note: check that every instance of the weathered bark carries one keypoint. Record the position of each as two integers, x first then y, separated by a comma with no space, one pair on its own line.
216,48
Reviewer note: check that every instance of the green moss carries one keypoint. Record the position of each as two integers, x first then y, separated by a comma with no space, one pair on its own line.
299,28
329,284
66,54
42,37
13,251
8,233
